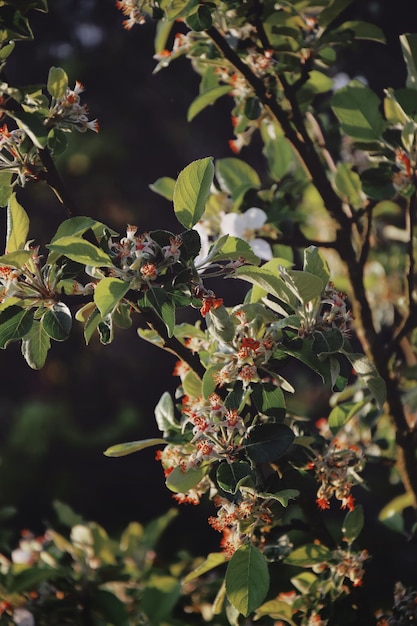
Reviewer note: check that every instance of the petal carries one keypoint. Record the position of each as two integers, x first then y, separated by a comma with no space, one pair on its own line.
254,218
261,248
232,224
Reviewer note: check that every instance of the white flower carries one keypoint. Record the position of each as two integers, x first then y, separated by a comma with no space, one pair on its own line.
200,227
244,225
22,617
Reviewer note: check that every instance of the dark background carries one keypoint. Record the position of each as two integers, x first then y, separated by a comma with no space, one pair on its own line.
55,424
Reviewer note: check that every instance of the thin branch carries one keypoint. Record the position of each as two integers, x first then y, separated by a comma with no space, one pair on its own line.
52,177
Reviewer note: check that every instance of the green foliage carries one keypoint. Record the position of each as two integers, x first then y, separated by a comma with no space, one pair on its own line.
240,429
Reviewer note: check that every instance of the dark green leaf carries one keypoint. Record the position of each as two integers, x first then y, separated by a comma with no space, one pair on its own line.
268,398
57,321
230,475
353,524
15,323
268,442
247,579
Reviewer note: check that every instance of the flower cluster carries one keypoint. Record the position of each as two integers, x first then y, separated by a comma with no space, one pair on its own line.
404,611
132,9
16,158
238,520
330,312
36,284
67,112
337,471
139,259
246,355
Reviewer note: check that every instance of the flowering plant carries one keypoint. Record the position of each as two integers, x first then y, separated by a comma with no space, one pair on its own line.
236,432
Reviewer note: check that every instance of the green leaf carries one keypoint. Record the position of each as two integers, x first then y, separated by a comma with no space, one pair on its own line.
192,384
357,109
182,481
35,346
392,513
328,342
179,8
164,414
214,559
123,449
409,49
268,281
305,286
57,82
247,579
192,190
159,597
6,188
91,324
209,384
360,30
108,293
314,263
277,610
308,555
369,375
348,185
17,225
334,8
57,321
18,258
236,177
15,323
161,302
342,413
33,125
232,248
77,226
267,398
201,19
164,187
110,607
206,99
353,524
268,442
229,475
81,251
220,324
28,579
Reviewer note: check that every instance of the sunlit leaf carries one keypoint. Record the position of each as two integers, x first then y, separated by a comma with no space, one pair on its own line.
357,108
123,449
191,191
205,99
182,481
214,559
57,82
17,225
108,293
35,346
81,251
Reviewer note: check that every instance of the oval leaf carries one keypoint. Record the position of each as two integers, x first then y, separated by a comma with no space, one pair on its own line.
81,251
123,449
247,579
108,294
182,481
192,190
268,442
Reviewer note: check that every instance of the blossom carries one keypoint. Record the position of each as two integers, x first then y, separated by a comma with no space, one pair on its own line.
244,225
67,112
23,617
